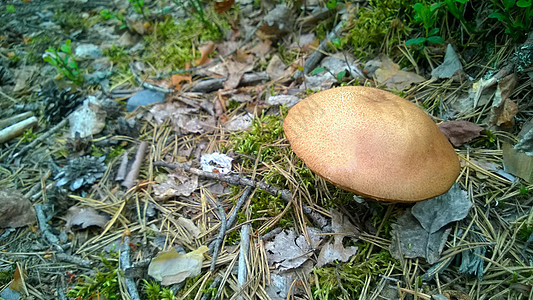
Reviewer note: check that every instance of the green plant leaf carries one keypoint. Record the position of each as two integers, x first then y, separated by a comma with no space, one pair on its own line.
341,75
434,31
331,4
435,39
73,65
318,70
336,42
417,41
433,8
508,4
496,15
523,3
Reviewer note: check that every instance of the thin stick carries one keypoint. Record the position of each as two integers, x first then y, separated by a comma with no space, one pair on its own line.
237,180
41,138
135,167
245,248
220,236
124,265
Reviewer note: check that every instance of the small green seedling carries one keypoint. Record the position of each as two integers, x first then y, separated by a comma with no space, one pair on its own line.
427,15
106,15
10,8
64,61
138,6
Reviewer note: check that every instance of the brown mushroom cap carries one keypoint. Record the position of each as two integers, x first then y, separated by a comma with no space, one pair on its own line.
372,143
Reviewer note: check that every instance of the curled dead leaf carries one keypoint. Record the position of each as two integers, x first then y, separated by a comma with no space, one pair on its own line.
222,6
205,50
460,132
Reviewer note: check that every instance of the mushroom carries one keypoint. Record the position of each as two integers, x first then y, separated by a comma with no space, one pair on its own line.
372,143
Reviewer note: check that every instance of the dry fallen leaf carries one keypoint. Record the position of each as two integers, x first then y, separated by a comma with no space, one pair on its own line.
15,209
18,279
170,267
460,132
390,74
84,217
205,50
336,251
503,109
177,183
421,231
288,251
221,6
178,79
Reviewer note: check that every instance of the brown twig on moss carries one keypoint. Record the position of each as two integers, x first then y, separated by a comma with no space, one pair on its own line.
237,180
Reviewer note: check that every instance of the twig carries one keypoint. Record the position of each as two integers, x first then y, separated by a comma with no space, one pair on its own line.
123,168
41,138
220,237
318,54
240,203
15,119
129,181
17,129
45,228
245,248
74,259
237,180
125,264
213,285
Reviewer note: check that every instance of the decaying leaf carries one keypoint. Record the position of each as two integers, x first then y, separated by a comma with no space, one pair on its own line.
243,62
170,267
189,225
503,109
450,66
205,50
518,163
460,132
18,279
435,213
15,209
221,6
177,183
390,74
411,240
84,217
341,227
177,79
288,251
421,232
183,119
276,67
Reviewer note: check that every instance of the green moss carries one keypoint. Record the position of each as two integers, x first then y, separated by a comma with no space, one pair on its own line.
348,279
171,44
70,21
265,131
104,284
381,21
6,276
153,291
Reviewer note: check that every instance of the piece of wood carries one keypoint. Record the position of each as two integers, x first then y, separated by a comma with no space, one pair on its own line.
15,119
17,129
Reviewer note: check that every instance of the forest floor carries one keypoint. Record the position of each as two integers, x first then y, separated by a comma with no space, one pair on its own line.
143,156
